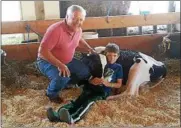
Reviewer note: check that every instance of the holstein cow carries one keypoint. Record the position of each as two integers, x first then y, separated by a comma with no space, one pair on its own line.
138,69
74,111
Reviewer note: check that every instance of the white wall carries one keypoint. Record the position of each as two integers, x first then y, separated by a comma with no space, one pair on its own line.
152,6
11,12
52,10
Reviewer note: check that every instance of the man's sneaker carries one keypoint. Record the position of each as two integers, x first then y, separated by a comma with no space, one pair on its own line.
57,99
52,116
64,115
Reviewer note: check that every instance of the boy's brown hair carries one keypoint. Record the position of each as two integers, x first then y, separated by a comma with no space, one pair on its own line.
112,47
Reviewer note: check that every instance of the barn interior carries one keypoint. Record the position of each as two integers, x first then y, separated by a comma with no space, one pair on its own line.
23,100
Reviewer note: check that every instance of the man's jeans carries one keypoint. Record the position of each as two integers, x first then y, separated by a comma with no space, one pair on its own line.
78,70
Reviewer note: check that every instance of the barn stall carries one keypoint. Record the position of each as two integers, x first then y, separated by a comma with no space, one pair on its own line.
23,88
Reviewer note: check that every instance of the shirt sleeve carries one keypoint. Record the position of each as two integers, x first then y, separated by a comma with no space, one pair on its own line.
50,38
119,72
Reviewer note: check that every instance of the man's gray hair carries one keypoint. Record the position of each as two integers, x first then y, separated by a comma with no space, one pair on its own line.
74,8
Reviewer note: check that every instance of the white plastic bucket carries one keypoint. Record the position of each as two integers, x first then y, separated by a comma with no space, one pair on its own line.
90,35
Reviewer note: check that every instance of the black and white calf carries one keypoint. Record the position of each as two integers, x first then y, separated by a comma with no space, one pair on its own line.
138,69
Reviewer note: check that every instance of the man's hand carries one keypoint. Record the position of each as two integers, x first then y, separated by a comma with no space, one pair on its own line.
86,46
64,71
96,81
91,50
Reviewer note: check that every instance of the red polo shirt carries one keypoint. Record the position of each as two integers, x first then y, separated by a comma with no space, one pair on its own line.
61,41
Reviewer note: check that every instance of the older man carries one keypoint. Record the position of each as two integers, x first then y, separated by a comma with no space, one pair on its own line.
56,51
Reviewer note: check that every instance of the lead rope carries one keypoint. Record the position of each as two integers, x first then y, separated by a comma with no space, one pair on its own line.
108,14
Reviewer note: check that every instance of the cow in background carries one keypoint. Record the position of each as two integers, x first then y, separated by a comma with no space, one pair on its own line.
138,69
3,56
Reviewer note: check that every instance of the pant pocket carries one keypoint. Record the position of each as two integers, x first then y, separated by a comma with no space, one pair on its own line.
40,65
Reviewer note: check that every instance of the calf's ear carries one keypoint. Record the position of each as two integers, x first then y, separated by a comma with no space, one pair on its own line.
151,71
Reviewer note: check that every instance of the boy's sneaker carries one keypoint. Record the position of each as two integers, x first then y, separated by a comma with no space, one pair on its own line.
64,115
52,116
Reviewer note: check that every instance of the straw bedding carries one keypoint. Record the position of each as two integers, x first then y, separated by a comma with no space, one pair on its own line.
24,102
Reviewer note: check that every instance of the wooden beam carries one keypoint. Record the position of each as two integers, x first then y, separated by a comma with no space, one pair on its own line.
97,22
39,10
144,43
171,8
39,26
131,21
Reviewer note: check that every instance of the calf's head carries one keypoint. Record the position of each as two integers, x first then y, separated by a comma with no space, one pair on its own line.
96,64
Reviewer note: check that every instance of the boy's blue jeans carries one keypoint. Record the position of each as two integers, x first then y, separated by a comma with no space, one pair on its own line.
78,70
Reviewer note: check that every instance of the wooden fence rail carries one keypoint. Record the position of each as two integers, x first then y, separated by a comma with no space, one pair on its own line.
90,23
142,43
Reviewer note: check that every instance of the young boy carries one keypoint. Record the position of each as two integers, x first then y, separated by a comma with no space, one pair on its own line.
95,89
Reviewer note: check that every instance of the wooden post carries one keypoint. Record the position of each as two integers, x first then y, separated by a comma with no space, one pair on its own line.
155,29
171,8
39,10
140,30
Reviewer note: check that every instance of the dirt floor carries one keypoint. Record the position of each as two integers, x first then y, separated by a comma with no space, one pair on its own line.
24,102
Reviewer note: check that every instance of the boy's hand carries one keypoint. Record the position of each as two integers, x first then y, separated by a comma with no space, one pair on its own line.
105,82
114,97
96,81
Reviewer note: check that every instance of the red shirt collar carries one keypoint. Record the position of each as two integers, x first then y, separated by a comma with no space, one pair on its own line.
68,30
